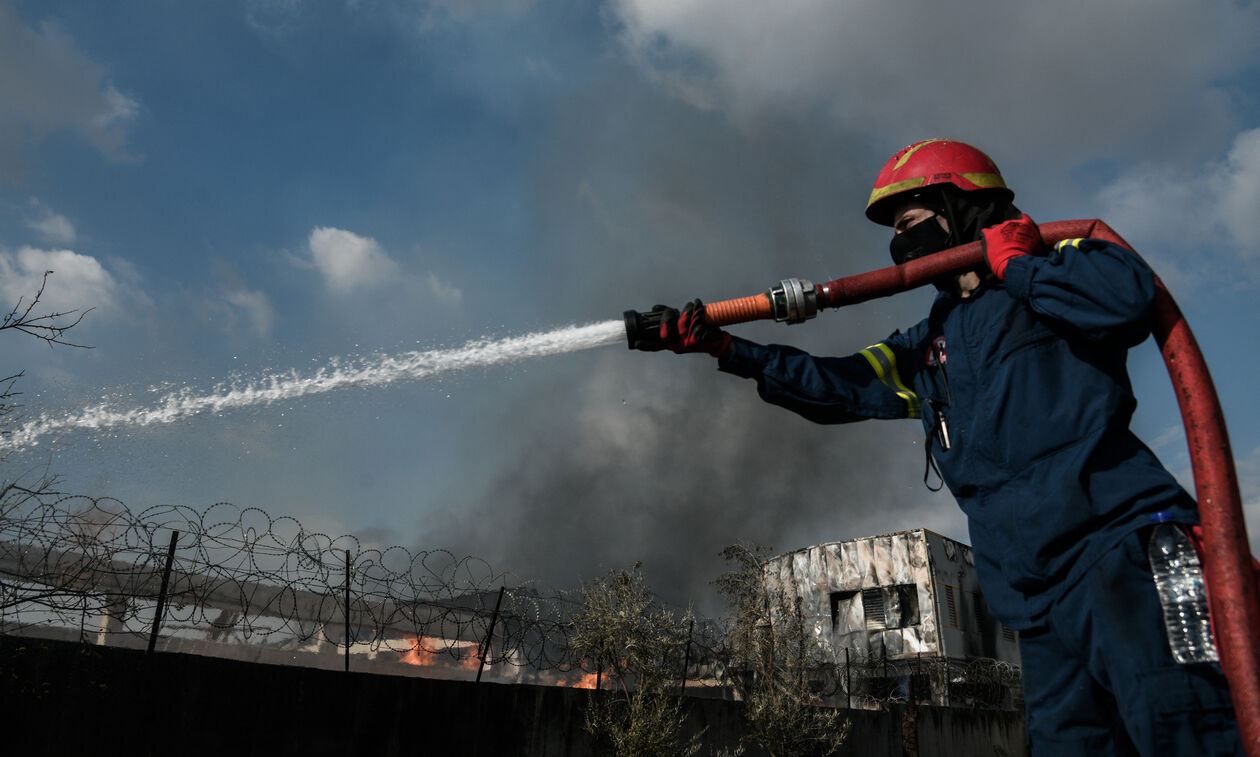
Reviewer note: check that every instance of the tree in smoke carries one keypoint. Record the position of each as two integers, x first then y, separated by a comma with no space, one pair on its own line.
772,662
639,647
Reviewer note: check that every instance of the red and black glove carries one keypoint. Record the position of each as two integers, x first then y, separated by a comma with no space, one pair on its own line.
688,332
1010,240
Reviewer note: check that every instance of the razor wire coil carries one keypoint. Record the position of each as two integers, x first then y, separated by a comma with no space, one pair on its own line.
245,583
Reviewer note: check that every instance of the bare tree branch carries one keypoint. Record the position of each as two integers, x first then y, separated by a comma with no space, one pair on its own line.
7,393
28,485
50,327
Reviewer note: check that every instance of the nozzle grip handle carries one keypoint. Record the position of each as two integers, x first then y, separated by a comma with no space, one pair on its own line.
643,328
756,307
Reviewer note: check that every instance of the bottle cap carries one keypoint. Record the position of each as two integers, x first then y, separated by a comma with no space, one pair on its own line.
1163,516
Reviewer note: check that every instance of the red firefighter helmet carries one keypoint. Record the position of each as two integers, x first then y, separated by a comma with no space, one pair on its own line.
932,161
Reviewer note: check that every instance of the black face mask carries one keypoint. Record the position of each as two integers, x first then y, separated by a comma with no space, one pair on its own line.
923,238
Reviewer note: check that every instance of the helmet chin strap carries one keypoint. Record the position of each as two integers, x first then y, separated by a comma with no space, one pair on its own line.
970,212
973,214
954,229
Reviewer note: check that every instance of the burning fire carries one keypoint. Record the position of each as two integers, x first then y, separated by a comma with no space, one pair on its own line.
586,681
445,655
578,679
429,652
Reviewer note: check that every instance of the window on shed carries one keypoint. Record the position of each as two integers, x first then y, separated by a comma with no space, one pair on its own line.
889,607
873,608
982,612
951,606
842,611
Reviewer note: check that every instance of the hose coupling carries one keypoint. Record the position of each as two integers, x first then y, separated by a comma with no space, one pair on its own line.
794,301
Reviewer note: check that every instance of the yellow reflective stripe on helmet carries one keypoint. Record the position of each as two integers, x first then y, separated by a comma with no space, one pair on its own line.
910,153
986,180
1069,243
879,193
982,180
882,359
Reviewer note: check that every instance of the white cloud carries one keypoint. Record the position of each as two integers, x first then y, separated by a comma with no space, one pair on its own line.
232,306
255,307
1213,204
78,282
443,293
49,85
1237,187
348,261
1064,76
118,110
51,227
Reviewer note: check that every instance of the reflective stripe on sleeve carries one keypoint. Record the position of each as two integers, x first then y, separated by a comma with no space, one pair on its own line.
882,359
1069,243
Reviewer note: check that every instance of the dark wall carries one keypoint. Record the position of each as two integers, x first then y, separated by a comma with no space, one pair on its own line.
61,698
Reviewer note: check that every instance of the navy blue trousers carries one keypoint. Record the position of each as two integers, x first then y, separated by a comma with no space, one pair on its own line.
1099,677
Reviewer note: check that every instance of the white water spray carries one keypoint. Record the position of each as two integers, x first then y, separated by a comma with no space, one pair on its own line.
378,371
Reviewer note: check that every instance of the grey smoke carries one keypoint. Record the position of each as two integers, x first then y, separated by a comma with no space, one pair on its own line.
619,457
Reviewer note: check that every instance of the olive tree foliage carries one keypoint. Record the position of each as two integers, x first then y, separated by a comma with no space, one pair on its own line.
638,649
51,327
772,661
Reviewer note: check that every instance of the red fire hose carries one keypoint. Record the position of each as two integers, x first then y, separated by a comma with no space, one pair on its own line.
1235,600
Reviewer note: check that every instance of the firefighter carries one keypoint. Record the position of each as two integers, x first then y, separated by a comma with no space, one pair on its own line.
1018,376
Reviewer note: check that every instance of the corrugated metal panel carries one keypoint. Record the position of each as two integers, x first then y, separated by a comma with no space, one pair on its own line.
849,594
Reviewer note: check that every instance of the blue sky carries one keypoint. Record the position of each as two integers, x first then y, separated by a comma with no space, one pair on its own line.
248,187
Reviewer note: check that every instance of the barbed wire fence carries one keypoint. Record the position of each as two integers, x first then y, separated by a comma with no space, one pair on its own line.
236,582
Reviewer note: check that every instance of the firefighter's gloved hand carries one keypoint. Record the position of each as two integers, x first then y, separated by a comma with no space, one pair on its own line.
1010,240
689,332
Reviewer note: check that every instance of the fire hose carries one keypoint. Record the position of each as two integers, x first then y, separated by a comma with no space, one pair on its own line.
1234,597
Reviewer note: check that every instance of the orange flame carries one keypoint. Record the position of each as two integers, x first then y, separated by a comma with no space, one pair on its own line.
427,651
577,679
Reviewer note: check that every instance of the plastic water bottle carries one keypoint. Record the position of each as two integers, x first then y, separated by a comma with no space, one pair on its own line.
1179,581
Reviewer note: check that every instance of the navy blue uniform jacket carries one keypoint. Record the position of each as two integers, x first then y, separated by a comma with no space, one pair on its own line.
1030,377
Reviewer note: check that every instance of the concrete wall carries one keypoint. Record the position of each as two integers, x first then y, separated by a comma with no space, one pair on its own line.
64,698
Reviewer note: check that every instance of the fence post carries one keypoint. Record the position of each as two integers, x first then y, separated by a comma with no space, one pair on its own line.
161,600
347,611
918,668
848,681
691,629
484,652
